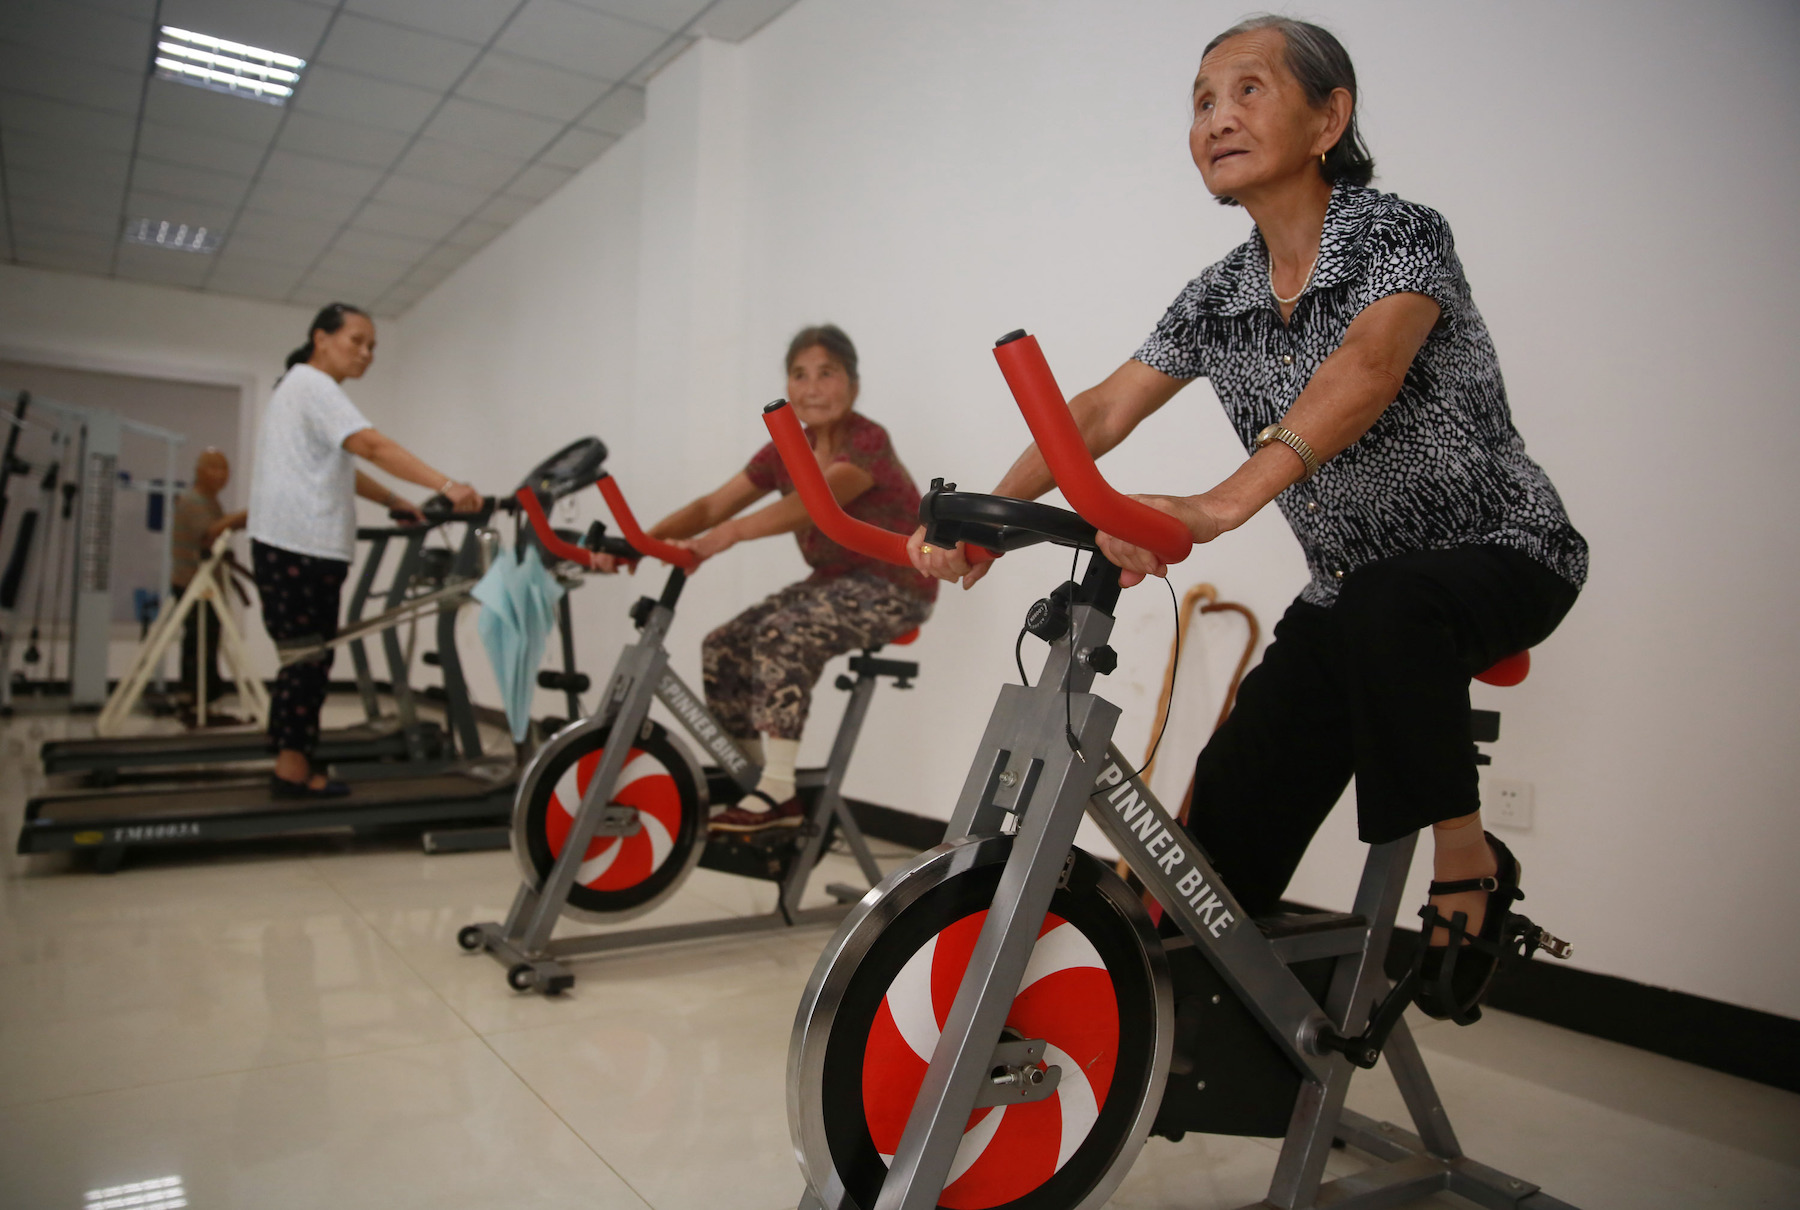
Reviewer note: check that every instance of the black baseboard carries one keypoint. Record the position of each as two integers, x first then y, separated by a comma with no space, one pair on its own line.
1725,1037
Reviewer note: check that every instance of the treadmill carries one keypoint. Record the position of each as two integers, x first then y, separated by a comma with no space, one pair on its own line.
467,787
105,761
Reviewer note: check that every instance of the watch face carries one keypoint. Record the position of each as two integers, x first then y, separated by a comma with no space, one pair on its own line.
1267,435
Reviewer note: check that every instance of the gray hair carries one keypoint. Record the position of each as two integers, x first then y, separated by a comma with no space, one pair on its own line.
1322,66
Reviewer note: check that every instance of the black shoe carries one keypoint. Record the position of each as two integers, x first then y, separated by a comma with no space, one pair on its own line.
281,787
1453,978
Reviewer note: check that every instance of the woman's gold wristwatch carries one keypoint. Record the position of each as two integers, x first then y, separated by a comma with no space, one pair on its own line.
1294,441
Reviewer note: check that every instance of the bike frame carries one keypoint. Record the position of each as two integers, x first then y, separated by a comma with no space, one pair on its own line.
1045,759
641,677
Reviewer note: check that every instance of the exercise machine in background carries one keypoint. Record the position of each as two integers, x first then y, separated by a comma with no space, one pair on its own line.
611,817
463,785
66,544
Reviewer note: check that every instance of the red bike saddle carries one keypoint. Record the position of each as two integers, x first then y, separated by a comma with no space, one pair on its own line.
1509,671
901,640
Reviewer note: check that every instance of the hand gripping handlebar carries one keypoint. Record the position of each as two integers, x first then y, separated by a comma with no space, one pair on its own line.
675,556
803,468
1060,441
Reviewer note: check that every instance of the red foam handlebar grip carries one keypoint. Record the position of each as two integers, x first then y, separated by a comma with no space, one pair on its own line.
674,556
547,537
1059,440
803,468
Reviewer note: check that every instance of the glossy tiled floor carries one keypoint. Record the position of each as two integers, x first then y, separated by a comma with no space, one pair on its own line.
294,1026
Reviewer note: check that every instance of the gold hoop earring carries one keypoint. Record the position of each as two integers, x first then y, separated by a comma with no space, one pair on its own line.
1321,159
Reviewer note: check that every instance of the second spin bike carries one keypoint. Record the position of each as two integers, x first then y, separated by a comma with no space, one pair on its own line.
605,831
1004,1021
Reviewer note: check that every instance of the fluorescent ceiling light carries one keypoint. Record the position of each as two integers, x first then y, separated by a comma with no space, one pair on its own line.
176,237
223,66
163,1193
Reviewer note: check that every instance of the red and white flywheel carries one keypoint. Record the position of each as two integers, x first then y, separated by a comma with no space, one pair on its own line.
1095,992
620,875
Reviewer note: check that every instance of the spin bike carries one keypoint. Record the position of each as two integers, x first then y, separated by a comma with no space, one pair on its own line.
604,831
1003,1022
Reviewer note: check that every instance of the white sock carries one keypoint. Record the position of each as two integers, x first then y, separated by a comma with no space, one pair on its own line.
779,758
752,748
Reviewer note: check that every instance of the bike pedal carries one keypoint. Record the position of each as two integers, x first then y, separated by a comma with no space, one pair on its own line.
1553,945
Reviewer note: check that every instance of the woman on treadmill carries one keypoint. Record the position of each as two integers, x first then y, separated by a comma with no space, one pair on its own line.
1343,342
761,666
303,523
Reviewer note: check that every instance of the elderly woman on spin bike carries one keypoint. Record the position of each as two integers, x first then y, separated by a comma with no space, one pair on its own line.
1343,343
760,667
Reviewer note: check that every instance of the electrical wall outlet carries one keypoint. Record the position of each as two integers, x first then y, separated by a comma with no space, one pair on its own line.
1506,803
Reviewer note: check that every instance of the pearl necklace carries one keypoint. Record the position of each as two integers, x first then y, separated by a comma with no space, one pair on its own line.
1288,302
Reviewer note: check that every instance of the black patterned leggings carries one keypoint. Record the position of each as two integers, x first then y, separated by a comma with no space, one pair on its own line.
300,609
761,666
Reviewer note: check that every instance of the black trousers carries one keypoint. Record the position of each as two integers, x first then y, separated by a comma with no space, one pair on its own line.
1376,686
300,596
201,618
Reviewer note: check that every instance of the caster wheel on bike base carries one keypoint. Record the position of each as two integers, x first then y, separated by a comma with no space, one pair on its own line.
469,937
1096,992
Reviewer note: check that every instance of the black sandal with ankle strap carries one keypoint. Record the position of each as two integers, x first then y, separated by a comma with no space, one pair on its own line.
1452,979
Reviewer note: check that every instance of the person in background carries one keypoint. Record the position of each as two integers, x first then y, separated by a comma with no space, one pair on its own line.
303,523
760,667
199,520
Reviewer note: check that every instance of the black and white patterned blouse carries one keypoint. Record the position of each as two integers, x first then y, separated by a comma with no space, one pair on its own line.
1443,466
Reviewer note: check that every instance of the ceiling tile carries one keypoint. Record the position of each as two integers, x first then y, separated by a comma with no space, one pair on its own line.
189,184
669,15
405,220
621,112
44,153
244,275
201,111
539,181
453,164
357,286
161,265
321,176
73,243
66,123
93,34
506,210
497,130
60,212
83,195
671,50
175,145
444,260
69,260
578,148
148,203
735,20
291,249
343,264
342,94
143,10
31,70
474,234
435,196
275,228
380,245
291,27
580,39
336,139
470,20
532,87
270,197
389,52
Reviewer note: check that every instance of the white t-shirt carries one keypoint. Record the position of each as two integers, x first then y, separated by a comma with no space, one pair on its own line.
303,496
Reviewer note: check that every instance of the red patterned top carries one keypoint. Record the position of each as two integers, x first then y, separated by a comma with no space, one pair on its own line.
892,504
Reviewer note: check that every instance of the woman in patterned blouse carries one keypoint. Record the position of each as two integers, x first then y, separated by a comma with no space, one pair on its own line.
760,667
1343,343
